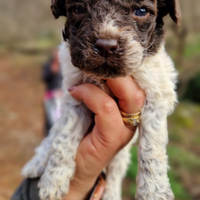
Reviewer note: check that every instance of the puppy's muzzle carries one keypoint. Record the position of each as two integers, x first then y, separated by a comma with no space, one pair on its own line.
106,48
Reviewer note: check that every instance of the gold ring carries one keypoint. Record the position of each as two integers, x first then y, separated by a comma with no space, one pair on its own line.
131,119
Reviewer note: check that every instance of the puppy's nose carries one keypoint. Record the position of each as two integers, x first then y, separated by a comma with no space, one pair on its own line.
106,47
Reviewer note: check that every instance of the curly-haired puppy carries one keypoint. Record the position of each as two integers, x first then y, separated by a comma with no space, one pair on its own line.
109,39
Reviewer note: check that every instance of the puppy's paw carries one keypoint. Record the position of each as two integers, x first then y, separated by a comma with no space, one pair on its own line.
50,191
54,183
34,168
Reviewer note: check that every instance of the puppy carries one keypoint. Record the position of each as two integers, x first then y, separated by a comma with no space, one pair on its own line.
108,39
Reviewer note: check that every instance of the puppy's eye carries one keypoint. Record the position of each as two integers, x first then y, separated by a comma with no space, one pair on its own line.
79,10
141,12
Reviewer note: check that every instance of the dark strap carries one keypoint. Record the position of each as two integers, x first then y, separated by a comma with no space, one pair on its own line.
28,189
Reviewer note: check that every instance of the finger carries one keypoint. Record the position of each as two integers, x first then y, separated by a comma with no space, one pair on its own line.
130,96
104,107
96,99
107,116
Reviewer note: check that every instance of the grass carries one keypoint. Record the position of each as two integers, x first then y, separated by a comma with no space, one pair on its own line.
192,50
180,158
177,158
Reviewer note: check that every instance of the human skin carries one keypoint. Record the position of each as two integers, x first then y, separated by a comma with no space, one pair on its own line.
109,134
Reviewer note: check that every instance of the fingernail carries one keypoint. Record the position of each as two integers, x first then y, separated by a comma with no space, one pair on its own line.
71,88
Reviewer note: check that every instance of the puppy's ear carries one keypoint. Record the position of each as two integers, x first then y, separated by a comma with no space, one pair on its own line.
58,8
170,7
174,10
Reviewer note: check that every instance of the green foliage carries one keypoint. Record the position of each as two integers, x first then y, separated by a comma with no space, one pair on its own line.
132,190
182,120
132,172
184,126
182,162
177,188
196,140
192,49
179,160
193,89
175,136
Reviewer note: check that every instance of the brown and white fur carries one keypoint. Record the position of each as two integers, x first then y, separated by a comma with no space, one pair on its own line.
141,54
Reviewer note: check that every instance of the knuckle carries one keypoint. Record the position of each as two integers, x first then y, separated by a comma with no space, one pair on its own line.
109,106
139,97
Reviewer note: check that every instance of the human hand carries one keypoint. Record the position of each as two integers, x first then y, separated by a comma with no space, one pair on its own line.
109,134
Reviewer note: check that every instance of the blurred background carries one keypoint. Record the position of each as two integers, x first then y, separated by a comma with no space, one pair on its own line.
29,35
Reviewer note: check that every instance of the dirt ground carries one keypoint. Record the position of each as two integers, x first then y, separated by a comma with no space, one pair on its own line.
21,120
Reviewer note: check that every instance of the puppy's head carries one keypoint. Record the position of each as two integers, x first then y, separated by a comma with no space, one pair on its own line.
110,38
